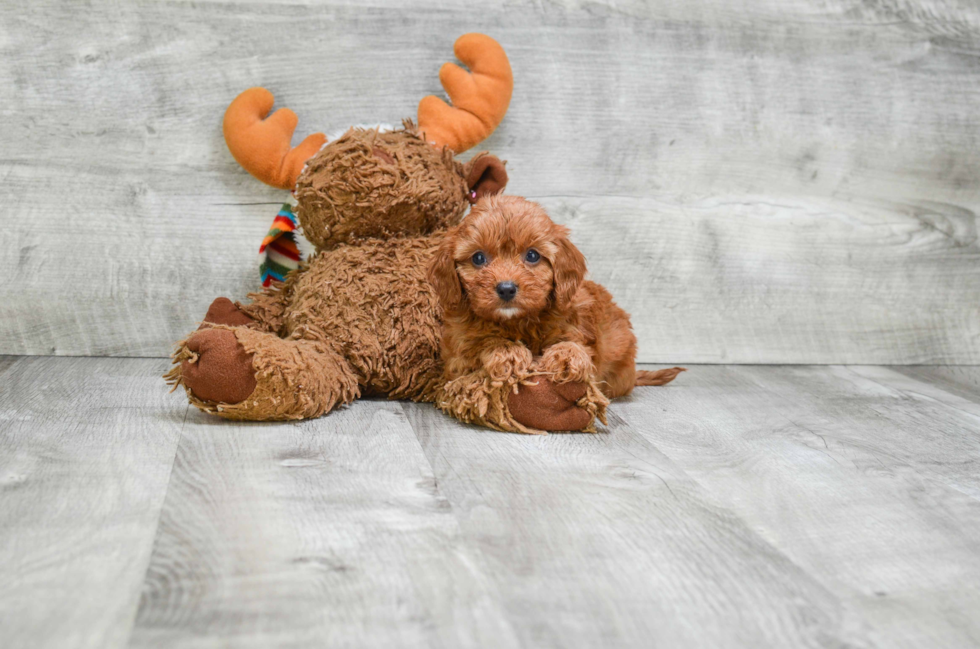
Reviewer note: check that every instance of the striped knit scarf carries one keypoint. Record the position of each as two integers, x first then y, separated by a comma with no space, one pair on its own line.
278,253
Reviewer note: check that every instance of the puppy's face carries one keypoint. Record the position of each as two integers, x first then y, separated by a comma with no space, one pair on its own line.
507,260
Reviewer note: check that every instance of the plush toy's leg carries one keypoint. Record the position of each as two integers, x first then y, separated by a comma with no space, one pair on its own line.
553,406
241,373
531,404
564,395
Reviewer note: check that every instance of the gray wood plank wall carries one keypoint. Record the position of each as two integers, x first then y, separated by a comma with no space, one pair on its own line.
771,182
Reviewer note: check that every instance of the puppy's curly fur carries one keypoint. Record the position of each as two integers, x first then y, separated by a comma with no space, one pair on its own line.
556,323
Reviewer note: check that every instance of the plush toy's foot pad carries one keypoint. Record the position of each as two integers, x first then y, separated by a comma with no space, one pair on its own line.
550,406
225,312
219,368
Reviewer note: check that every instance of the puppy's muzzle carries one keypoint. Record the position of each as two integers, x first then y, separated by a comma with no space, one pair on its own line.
506,291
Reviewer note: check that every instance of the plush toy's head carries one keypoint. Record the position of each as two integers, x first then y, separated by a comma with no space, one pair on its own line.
370,183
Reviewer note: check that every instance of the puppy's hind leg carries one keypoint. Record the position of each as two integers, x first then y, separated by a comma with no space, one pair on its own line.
620,378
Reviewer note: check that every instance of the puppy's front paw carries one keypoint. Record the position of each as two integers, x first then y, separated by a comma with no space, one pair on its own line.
505,364
567,362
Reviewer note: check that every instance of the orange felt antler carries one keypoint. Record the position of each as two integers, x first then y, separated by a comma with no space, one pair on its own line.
480,97
261,145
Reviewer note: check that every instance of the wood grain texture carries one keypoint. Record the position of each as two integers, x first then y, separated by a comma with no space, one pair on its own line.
759,182
601,540
865,483
326,533
741,506
795,281
86,447
961,380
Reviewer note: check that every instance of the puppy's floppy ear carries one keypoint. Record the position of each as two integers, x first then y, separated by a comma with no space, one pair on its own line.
485,175
569,267
442,273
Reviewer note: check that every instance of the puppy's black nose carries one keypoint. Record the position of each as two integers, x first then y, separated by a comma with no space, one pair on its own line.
506,291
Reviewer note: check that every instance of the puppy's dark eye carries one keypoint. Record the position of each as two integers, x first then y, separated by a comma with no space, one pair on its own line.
532,256
478,259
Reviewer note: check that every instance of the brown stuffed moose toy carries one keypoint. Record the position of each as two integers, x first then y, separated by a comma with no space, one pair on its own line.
360,317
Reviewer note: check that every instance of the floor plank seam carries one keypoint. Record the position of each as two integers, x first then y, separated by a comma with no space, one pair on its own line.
156,528
708,498
479,559
613,417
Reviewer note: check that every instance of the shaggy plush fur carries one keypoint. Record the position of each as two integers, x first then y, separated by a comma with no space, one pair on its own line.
516,303
412,188
360,317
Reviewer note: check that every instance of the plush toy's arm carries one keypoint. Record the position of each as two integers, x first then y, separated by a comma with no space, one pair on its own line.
268,306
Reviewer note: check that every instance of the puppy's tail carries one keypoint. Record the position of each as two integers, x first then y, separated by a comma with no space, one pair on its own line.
660,377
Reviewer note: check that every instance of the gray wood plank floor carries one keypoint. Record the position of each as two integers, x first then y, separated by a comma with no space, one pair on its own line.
742,506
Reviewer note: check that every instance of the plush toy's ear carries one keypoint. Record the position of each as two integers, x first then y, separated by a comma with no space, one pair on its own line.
485,175
442,273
